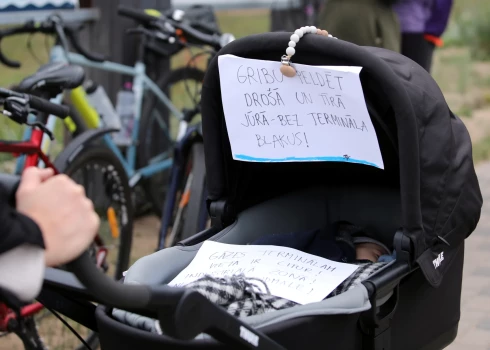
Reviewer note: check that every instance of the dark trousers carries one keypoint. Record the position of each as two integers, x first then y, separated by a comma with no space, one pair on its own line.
415,47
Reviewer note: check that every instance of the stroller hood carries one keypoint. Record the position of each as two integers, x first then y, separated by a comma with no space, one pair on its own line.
426,149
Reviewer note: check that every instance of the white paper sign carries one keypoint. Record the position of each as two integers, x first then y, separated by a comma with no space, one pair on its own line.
318,115
289,273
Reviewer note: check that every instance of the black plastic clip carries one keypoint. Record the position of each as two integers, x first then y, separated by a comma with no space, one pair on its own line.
402,247
220,213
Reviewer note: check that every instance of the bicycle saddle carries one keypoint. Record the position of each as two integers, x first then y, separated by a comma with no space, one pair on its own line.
53,78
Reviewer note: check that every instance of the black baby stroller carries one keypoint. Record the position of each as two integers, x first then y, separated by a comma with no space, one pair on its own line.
423,204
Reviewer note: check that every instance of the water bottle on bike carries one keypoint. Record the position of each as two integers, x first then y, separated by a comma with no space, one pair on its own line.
125,110
100,101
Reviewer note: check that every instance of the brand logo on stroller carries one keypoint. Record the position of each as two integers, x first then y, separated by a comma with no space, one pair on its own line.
248,336
437,261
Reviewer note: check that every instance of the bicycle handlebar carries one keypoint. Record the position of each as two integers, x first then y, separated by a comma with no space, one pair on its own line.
137,15
147,20
47,27
26,28
209,39
37,103
45,106
73,36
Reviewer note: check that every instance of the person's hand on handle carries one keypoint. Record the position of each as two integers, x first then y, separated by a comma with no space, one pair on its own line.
60,208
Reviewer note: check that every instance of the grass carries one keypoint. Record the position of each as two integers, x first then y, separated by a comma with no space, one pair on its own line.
459,67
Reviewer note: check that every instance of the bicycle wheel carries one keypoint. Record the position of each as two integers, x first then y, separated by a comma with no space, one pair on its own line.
183,86
106,184
102,175
190,199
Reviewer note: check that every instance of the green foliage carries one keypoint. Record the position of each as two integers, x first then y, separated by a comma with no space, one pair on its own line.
470,26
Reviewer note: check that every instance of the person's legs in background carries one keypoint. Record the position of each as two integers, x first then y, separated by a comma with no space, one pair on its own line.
418,49
422,24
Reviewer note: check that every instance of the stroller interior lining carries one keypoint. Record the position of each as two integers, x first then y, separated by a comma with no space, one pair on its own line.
376,209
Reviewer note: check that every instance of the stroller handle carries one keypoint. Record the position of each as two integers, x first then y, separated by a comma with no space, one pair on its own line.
182,313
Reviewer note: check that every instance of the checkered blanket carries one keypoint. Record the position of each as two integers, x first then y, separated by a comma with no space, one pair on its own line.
239,295
243,297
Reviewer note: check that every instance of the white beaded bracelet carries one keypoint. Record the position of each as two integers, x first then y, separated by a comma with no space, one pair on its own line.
286,68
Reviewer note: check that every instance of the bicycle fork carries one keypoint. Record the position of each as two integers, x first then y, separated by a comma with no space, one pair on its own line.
22,324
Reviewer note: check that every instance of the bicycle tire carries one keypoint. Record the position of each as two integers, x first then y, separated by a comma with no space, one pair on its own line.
94,155
191,219
100,153
154,187
140,203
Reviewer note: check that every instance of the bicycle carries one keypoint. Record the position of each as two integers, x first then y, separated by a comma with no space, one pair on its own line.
142,163
111,247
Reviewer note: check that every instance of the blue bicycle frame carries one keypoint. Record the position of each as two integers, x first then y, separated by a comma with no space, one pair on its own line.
141,83
176,174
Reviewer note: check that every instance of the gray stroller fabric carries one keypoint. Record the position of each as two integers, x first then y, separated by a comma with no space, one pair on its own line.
353,301
246,297
297,211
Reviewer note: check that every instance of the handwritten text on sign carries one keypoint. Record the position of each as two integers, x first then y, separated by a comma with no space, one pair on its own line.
318,115
289,273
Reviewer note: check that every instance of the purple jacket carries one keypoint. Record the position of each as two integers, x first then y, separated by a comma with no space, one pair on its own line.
423,16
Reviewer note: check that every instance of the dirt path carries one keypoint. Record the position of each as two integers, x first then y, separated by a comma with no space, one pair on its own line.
478,125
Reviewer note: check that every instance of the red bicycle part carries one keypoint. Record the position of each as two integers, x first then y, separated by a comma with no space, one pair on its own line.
32,150
7,314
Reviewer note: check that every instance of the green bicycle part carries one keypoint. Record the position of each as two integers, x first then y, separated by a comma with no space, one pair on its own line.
82,105
153,12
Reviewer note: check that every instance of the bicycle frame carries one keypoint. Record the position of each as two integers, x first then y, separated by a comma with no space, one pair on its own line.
31,148
32,151
175,175
141,83
46,141
33,154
